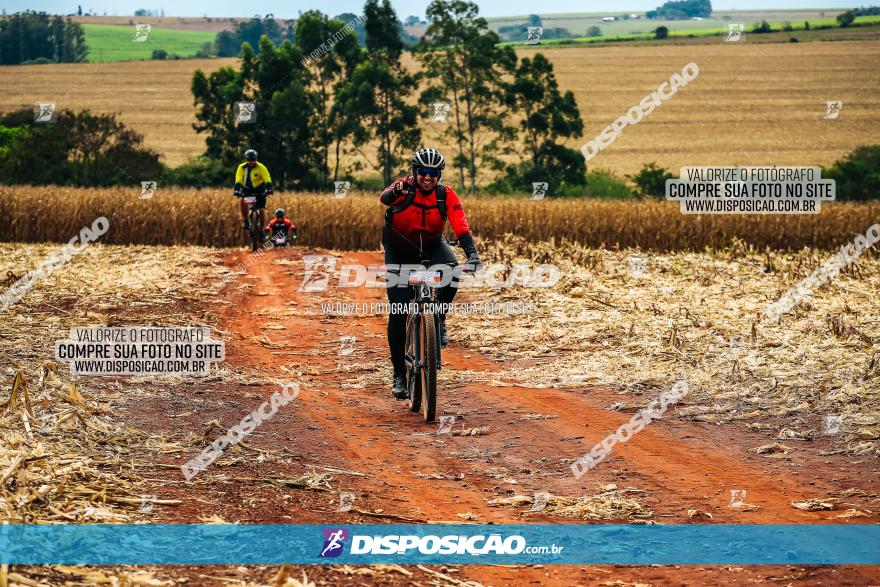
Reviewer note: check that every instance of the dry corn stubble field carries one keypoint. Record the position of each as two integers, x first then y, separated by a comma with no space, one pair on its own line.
600,325
211,217
751,104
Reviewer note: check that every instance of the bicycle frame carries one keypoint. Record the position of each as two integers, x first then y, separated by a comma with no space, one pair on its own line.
255,229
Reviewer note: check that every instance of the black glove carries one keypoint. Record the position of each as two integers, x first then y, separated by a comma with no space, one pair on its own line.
236,190
402,187
269,189
466,241
473,263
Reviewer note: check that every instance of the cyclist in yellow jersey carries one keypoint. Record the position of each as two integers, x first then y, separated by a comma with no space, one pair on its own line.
252,179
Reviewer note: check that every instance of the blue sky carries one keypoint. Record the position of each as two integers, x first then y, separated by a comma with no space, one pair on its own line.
285,8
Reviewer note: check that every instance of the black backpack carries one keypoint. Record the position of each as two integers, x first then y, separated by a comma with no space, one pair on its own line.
408,201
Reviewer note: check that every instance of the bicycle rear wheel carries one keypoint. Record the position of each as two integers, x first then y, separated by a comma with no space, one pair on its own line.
413,376
428,340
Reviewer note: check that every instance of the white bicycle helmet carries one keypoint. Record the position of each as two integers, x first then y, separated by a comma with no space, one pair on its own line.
428,157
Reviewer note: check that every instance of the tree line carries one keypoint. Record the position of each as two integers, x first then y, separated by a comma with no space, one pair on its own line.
36,37
323,120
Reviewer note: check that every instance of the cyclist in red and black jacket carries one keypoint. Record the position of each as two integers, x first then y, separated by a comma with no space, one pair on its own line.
419,206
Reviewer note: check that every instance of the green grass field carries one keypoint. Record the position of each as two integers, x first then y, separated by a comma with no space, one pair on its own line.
704,28
578,24
116,43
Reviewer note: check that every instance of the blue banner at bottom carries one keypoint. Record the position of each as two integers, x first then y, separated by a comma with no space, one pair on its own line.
568,544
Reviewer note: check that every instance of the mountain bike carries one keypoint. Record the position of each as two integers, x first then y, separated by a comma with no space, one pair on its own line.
423,348
255,230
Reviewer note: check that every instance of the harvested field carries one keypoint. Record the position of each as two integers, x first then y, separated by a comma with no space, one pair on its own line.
752,104
211,217
596,347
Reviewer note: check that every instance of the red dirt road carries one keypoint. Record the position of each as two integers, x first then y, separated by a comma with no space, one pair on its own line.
400,466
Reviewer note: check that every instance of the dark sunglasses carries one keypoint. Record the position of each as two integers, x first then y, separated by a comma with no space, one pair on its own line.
429,172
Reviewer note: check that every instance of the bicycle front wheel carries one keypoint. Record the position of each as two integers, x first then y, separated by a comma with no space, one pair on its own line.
413,373
255,230
429,366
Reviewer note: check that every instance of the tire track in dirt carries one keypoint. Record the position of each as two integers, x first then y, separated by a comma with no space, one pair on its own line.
359,427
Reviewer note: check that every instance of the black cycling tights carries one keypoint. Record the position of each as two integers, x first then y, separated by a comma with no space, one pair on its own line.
400,254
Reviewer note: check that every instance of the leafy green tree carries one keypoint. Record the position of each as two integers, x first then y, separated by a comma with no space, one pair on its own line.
276,82
80,149
334,122
251,31
857,175
762,27
378,92
360,33
846,18
462,56
594,31
682,9
661,32
651,180
29,36
549,118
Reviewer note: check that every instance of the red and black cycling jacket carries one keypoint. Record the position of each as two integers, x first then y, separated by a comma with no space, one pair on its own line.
280,225
423,217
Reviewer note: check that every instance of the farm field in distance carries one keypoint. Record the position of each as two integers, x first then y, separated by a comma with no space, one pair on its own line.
116,43
579,23
752,104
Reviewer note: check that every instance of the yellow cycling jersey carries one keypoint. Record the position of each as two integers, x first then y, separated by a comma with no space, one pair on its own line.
259,175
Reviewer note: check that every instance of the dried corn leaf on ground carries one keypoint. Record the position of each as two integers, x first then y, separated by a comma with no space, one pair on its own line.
610,503
80,462
603,324
556,345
